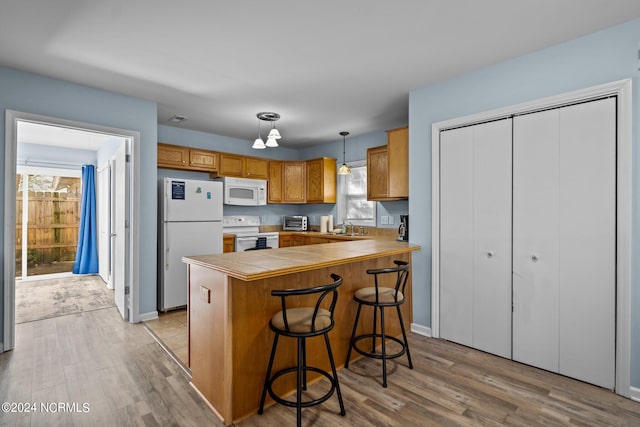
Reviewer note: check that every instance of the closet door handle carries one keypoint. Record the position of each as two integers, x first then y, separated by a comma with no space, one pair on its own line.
535,257
491,254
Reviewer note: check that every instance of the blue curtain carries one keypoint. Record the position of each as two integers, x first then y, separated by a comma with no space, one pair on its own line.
87,254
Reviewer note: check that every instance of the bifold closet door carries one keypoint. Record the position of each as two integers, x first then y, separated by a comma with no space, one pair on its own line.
564,267
475,236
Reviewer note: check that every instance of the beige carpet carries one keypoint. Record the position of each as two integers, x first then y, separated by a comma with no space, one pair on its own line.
42,299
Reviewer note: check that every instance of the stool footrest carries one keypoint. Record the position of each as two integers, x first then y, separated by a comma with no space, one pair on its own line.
306,404
378,355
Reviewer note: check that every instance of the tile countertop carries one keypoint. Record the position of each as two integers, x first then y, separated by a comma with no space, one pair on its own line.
254,265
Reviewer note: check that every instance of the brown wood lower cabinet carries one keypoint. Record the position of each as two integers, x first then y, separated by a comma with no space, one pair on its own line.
229,243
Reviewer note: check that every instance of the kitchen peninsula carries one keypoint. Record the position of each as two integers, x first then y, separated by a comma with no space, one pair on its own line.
230,306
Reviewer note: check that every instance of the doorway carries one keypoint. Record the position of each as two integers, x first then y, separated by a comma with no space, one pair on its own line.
106,148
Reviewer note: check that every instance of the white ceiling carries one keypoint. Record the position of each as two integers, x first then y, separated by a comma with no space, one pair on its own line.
324,66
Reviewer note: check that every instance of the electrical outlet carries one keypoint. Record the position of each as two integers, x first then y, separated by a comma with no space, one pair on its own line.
384,220
205,295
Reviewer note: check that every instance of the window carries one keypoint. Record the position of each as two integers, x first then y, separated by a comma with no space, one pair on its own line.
352,204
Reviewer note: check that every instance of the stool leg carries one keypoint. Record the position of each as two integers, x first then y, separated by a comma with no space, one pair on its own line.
404,335
335,373
353,334
299,382
375,326
267,377
384,348
304,364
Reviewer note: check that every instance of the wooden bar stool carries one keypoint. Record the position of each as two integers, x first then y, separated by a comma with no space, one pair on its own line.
380,297
303,323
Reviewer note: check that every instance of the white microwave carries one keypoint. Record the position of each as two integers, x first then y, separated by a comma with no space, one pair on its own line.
244,191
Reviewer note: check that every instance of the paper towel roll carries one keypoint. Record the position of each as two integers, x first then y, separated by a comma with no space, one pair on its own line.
324,221
330,224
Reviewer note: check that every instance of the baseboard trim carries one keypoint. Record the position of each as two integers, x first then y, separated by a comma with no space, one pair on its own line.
634,393
143,317
421,330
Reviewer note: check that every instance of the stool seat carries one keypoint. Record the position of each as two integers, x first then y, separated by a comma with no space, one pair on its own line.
381,297
300,320
385,296
304,323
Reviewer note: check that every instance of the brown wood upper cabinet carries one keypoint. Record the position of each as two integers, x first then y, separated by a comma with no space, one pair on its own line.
243,166
388,167
178,157
286,182
321,180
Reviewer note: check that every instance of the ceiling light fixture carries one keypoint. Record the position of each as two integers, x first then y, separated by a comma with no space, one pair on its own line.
176,119
274,134
344,169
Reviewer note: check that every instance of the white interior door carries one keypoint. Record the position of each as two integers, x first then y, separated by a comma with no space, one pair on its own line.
119,238
492,237
587,253
475,236
535,239
564,241
456,235
104,224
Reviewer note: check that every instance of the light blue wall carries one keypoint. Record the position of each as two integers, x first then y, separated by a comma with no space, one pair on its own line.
35,94
595,59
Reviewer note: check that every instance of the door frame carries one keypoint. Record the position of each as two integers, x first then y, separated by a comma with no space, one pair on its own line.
621,89
11,119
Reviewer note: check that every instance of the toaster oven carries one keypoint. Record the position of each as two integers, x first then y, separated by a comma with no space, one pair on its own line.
295,223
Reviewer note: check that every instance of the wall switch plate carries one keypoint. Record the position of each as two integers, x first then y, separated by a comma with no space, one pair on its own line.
384,220
205,295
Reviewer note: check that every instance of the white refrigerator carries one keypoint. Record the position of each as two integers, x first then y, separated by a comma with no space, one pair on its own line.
190,224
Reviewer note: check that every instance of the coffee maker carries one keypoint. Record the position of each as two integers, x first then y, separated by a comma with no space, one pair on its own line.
403,230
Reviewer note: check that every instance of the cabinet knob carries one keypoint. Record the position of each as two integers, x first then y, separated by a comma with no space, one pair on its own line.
491,254
184,161
535,257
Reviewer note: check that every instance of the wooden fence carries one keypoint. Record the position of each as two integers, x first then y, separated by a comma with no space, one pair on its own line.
52,232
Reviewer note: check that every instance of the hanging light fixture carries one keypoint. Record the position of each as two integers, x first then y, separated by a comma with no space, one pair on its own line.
258,144
274,134
344,169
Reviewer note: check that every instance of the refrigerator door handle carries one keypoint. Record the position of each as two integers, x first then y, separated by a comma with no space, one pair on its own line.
165,245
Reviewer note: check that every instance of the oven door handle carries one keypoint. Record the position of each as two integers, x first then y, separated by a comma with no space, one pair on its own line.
246,239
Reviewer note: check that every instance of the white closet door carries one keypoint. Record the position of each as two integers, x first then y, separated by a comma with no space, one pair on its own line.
492,237
587,242
535,239
564,241
475,236
456,235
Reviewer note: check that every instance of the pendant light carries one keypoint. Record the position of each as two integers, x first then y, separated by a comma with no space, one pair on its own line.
344,169
274,134
258,144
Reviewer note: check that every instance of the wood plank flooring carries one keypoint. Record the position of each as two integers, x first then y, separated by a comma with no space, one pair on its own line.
128,380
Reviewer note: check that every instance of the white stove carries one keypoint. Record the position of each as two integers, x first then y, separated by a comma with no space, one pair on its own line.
248,235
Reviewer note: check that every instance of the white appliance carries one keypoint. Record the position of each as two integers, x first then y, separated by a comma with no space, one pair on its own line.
190,224
248,235
244,191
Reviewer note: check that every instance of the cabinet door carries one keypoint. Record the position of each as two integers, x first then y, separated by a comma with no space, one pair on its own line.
256,168
564,241
321,180
203,160
229,244
297,240
275,181
398,166
172,156
231,165
293,182
284,241
377,173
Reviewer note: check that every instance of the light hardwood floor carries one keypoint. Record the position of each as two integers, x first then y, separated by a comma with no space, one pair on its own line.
128,380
